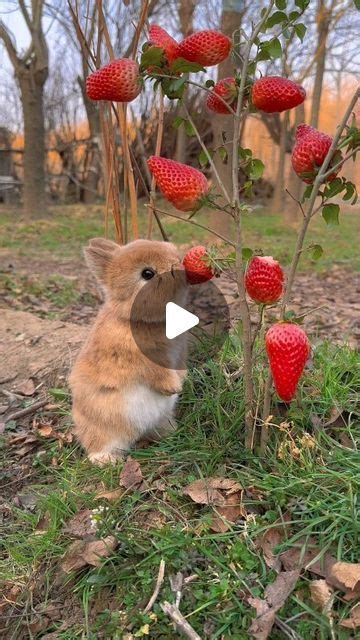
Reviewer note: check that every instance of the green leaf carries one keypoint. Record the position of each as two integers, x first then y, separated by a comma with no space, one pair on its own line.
184,66
247,188
209,84
263,53
177,84
276,18
152,57
300,30
274,48
334,187
330,213
280,4
302,4
316,251
244,154
189,129
256,169
247,253
357,4
177,122
203,158
170,92
307,192
294,15
223,153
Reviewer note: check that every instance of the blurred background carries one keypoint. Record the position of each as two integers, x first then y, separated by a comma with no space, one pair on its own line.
44,64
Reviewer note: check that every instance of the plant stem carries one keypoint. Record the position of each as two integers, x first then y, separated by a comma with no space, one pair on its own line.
159,138
210,160
320,178
196,224
244,308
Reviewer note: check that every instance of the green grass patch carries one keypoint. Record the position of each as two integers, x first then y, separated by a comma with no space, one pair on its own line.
311,473
67,228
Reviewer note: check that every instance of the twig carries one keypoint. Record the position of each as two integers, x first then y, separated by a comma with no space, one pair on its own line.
210,160
159,581
28,410
197,224
159,138
341,162
181,624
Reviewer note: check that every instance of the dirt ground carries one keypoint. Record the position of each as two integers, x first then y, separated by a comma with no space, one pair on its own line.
32,345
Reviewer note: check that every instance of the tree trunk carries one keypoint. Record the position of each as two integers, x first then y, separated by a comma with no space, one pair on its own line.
32,100
277,204
323,19
186,15
93,170
295,185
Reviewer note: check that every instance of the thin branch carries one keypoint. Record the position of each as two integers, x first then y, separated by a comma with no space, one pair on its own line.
28,410
182,625
26,15
159,581
7,39
196,224
341,162
159,137
210,160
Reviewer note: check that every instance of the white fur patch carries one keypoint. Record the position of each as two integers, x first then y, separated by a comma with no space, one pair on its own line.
146,408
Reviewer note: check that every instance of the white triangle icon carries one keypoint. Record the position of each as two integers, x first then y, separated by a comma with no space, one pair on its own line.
178,320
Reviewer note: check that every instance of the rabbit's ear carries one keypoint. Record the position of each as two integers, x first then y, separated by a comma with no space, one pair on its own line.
98,256
103,243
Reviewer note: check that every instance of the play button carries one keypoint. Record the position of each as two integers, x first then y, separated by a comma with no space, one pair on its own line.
164,311
178,320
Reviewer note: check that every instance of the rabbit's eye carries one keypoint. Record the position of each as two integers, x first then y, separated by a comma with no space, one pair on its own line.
147,273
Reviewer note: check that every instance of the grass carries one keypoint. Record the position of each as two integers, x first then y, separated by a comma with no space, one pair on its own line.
65,231
315,480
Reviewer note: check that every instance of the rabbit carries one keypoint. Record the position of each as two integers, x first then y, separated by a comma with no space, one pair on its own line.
119,394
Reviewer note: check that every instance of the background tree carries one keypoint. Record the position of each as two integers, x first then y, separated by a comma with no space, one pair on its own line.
31,71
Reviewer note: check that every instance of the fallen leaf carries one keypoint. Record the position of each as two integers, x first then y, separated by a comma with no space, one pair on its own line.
110,495
321,594
229,512
43,525
271,539
344,576
46,430
27,388
131,476
354,620
81,525
275,595
208,490
82,553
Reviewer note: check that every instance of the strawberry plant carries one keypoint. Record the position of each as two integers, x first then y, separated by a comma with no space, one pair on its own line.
168,67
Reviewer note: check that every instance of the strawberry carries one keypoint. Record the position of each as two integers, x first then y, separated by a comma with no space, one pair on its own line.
158,37
273,94
182,185
118,81
309,152
227,90
205,47
288,349
264,280
196,266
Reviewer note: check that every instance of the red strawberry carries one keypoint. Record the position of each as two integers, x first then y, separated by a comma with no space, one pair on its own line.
288,349
309,152
227,90
160,38
274,94
264,280
182,185
118,81
205,47
196,266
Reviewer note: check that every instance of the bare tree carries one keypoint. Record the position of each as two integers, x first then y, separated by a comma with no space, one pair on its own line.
31,71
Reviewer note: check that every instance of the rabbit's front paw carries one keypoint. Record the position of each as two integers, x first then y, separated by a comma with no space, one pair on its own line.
101,458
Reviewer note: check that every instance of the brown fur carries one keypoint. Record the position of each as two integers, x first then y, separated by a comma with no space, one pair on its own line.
113,384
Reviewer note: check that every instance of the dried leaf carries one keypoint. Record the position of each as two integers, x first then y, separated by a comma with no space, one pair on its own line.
46,430
81,525
208,490
82,553
344,576
276,595
110,495
354,621
131,476
271,539
321,594
229,512
27,388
